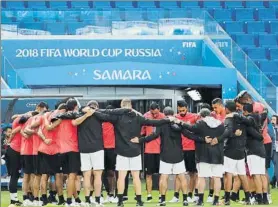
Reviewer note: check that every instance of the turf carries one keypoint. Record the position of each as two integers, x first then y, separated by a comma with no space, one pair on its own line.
5,199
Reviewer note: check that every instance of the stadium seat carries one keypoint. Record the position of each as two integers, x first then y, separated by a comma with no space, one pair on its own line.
233,27
273,3
89,14
268,66
45,15
272,27
177,13
72,15
134,14
189,4
196,13
255,27
146,4
56,28
256,53
116,15
233,4
36,5
168,4
154,15
211,4
58,4
269,40
123,4
15,4
245,40
273,53
222,14
72,27
244,14
265,14
101,4
24,15
254,4
32,26
80,4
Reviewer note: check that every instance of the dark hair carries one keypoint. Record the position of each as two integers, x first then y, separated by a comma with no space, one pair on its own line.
154,106
182,103
276,118
61,102
230,105
71,104
168,111
217,101
62,106
92,104
205,112
248,107
6,128
43,105
110,107
205,106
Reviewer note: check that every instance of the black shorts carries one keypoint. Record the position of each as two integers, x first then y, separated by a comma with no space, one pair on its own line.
36,165
189,161
151,163
28,164
14,161
70,162
49,164
268,151
110,159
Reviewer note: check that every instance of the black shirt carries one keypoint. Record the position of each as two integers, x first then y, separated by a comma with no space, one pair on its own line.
171,142
128,126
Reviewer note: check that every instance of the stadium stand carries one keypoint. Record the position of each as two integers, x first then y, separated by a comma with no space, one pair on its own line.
252,24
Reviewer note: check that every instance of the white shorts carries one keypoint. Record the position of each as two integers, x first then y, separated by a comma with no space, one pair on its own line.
234,166
206,170
128,163
256,165
91,161
171,169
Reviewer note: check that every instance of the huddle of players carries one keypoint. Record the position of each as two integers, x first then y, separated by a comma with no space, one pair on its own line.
67,140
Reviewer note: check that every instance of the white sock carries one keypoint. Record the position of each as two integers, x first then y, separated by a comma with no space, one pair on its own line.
14,196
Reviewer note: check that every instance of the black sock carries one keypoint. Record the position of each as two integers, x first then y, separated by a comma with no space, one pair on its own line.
87,199
91,193
253,194
138,198
97,199
211,191
77,200
265,197
25,197
78,192
259,198
50,192
111,194
196,192
227,196
237,195
247,196
44,198
201,197
54,193
234,196
163,198
120,197
61,199
184,196
177,195
216,199
190,195
36,199
69,201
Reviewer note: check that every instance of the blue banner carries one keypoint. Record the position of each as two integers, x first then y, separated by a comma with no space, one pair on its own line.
43,53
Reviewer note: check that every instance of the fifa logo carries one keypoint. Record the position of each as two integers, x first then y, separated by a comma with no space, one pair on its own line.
189,44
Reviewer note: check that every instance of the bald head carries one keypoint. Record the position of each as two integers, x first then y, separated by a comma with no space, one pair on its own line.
126,103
